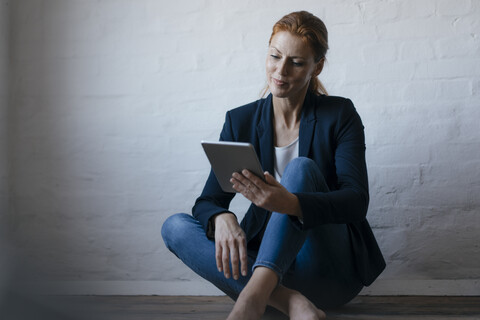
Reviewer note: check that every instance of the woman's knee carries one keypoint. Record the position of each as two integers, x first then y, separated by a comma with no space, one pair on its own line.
303,174
174,228
303,163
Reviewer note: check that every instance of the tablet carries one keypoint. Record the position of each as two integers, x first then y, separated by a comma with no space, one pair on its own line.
227,157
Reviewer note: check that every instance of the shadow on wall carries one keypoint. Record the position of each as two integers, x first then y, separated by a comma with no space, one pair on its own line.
43,236
15,302
18,302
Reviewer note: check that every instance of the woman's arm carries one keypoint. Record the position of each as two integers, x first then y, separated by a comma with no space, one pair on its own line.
348,202
230,246
213,200
269,194
220,224
348,199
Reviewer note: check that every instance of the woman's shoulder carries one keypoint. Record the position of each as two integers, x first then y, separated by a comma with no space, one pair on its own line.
242,122
337,113
251,114
250,108
332,102
331,107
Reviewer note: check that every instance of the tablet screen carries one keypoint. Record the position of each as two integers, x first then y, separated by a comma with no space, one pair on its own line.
227,157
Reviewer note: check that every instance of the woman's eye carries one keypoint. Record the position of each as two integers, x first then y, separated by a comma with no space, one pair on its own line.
297,64
274,56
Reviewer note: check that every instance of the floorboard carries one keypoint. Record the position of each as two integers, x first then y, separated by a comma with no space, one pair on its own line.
213,308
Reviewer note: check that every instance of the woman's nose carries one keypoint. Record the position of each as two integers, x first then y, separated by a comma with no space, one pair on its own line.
282,67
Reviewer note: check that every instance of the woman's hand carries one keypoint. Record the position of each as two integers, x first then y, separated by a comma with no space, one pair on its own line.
230,245
269,195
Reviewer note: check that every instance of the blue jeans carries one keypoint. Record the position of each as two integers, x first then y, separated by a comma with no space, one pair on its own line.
317,262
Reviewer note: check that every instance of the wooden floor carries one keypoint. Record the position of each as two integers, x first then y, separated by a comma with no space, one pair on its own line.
217,308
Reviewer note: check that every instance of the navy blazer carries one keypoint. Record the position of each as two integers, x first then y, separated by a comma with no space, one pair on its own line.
331,134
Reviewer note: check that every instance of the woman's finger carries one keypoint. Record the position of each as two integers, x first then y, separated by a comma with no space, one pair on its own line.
243,189
271,179
246,185
242,250
226,261
240,179
253,179
234,260
218,256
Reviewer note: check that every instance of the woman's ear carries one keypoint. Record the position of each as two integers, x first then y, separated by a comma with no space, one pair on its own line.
319,67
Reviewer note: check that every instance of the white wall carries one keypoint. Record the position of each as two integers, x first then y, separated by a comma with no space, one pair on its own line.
111,98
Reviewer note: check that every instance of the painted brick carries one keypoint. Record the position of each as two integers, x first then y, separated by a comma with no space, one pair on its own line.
456,89
417,50
448,69
379,12
464,45
384,155
421,91
343,14
380,53
453,8
409,29
380,72
416,9
476,87
111,99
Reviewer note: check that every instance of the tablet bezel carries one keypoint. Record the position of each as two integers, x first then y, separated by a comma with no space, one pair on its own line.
227,157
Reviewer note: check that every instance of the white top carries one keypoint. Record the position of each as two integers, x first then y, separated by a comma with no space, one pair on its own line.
283,155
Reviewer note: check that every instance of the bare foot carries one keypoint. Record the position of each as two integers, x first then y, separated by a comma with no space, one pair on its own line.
252,302
300,308
247,309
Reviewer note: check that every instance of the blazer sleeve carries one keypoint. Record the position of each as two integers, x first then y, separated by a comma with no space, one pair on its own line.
348,202
213,200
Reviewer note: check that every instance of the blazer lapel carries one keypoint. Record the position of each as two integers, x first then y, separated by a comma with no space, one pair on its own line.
265,132
307,126
265,136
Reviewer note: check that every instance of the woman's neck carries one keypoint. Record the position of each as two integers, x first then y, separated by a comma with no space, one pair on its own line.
287,112
286,120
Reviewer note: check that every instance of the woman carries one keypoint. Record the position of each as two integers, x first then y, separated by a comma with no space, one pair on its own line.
304,243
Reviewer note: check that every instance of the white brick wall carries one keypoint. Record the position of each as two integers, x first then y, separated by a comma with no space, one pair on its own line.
111,98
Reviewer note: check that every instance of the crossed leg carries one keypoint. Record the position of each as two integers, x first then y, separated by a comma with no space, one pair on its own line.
262,289
295,270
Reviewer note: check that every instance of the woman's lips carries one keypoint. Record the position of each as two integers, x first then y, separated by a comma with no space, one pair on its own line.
279,82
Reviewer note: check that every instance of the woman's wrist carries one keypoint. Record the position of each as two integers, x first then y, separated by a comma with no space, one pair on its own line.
221,215
212,223
295,208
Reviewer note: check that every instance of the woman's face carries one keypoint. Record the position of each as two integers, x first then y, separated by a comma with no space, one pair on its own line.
290,65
